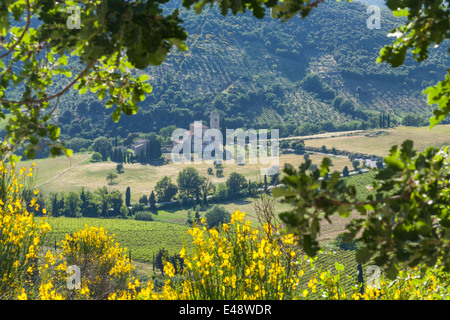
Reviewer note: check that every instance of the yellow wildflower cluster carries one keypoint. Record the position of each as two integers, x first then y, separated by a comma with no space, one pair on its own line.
428,283
104,265
370,293
235,262
104,269
329,283
20,233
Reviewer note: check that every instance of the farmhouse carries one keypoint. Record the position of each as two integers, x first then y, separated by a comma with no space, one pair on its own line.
139,146
197,130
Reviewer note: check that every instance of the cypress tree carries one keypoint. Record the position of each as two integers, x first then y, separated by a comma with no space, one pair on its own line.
360,278
55,205
148,154
156,152
223,130
128,197
83,199
152,201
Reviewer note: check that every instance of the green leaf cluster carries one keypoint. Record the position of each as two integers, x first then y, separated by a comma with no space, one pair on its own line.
403,222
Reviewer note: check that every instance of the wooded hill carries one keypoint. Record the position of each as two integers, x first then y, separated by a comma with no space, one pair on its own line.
302,76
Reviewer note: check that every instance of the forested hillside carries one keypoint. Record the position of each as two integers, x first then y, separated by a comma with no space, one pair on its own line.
302,76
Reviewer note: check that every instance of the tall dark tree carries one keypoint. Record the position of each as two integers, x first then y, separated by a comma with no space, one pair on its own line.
152,201
345,172
153,151
83,200
360,278
223,130
88,206
54,205
128,197
156,149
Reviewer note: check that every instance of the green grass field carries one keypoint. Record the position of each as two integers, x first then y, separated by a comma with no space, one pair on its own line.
54,175
50,169
142,238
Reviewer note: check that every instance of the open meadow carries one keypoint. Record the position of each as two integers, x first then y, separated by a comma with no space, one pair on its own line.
56,175
379,142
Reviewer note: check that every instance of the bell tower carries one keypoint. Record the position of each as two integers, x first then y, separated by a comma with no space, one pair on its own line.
214,121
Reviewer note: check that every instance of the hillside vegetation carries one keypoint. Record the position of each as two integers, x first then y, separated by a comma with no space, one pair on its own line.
302,77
